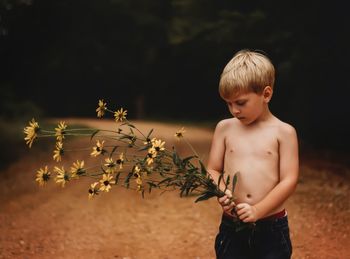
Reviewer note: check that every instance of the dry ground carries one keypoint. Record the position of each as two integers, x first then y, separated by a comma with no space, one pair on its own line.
54,222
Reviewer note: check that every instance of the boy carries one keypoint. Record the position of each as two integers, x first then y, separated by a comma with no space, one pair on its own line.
263,151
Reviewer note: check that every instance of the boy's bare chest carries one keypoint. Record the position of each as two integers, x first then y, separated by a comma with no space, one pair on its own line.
262,144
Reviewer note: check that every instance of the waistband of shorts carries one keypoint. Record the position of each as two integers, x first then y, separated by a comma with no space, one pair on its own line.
277,219
272,217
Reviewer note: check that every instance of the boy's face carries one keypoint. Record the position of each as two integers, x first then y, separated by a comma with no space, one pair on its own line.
248,107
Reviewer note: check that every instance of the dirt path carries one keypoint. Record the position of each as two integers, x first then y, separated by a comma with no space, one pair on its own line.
54,222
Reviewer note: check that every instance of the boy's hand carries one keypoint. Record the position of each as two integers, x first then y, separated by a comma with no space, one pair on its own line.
246,212
226,203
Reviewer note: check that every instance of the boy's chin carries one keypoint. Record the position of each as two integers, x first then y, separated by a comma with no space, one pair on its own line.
244,120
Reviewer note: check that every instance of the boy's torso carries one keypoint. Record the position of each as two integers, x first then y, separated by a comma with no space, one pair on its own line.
253,152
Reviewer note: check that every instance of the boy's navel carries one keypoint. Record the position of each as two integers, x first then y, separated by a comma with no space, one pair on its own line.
249,195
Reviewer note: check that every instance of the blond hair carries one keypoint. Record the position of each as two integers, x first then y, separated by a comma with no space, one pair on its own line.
247,71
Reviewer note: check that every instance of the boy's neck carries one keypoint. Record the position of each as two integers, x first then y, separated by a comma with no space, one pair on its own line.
265,116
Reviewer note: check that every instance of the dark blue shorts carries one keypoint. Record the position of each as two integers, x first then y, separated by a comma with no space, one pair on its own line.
268,239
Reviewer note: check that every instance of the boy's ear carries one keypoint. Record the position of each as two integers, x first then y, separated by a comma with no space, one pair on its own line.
267,93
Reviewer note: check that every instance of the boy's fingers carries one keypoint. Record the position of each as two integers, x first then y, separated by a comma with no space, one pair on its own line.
222,199
229,207
240,206
228,193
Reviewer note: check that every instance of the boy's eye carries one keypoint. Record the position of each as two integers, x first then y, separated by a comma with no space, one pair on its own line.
241,103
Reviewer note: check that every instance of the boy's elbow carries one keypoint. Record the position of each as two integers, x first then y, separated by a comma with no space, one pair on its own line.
291,184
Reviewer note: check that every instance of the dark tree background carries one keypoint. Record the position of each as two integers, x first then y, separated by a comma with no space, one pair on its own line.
161,59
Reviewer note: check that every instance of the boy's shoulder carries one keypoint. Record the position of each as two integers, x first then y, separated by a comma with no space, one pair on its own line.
284,129
226,123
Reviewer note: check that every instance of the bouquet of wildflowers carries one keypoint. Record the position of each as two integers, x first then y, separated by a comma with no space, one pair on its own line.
127,157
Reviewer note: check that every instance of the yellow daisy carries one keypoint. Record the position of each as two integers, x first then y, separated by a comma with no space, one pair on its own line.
139,187
120,161
180,133
137,170
77,169
139,183
98,149
102,107
31,132
93,190
111,165
62,176
106,182
43,176
158,145
120,115
151,155
60,131
58,152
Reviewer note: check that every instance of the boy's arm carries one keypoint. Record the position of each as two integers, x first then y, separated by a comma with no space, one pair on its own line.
216,155
289,171
216,164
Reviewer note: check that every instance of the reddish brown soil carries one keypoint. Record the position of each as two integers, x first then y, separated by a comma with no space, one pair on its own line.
54,222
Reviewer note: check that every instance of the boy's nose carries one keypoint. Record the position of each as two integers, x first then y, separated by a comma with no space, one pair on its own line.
235,112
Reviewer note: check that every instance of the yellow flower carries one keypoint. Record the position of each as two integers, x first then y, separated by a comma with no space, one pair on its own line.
139,180
180,133
43,176
137,170
93,190
152,153
102,107
60,131
58,152
139,188
111,165
158,145
106,182
77,169
62,176
138,176
31,132
120,115
98,149
120,161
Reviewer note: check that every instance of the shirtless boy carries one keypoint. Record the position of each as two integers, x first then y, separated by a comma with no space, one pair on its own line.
263,151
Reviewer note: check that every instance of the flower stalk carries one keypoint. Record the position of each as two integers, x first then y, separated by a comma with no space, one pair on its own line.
129,158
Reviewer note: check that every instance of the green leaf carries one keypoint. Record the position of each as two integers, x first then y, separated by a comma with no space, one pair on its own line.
143,148
227,182
185,160
114,149
151,185
103,170
165,180
234,182
203,170
176,159
149,133
205,196
127,180
117,178
220,179
93,134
